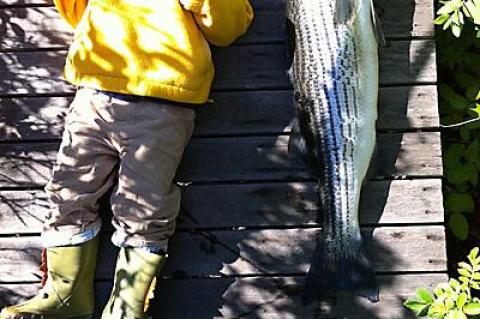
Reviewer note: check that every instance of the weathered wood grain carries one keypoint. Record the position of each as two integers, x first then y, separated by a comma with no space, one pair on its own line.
406,18
257,297
250,205
239,159
276,297
249,252
233,113
403,62
37,27
263,158
42,27
408,107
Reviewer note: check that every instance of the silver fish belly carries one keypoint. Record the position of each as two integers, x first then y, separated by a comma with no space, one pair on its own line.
335,77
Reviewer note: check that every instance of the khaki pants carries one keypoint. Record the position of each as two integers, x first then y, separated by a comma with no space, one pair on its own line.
130,143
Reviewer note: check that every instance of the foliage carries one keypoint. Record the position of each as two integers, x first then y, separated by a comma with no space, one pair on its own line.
453,299
454,13
459,90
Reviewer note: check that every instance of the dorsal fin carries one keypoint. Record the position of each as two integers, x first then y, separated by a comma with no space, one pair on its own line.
344,11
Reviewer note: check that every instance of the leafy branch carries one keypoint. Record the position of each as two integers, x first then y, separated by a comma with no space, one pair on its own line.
452,299
453,14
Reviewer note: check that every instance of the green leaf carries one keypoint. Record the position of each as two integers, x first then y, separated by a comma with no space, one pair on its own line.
459,315
438,292
464,279
455,314
460,202
473,91
456,18
441,19
472,172
449,304
461,300
465,134
474,11
419,307
457,30
437,310
424,295
454,283
464,79
472,153
476,109
472,256
472,309
447,8
454,99
457,175
458,224
445,286
463,272
476,276
466,266
453,155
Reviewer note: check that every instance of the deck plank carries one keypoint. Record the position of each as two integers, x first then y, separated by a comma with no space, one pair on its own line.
257,297
249,252
42,27
248,159
402,63
249,205
233,113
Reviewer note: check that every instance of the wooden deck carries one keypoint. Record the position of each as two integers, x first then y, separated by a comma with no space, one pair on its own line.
248,221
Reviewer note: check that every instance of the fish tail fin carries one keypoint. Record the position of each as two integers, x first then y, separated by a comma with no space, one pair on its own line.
349,272
344,11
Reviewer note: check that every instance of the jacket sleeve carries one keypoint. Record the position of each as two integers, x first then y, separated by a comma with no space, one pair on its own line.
221,21
71,10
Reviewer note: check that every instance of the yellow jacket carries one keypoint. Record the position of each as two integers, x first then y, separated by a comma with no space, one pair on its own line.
152,48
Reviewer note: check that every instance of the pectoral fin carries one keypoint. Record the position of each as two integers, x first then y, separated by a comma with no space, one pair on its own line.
377,27
290,42
296,142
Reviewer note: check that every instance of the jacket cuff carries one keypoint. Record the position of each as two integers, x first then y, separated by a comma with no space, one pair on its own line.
192,5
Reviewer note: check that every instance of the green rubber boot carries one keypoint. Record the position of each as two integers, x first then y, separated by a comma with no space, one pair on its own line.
68,291
134,273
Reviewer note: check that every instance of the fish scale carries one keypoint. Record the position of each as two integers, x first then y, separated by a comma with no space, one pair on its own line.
335,77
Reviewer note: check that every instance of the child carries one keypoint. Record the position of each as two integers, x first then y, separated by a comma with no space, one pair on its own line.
139,66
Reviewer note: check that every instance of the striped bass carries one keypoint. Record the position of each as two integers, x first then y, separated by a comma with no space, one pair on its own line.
334,71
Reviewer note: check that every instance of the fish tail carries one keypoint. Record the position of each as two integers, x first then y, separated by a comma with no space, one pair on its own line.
349,272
